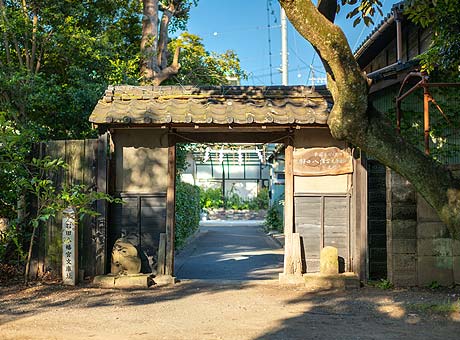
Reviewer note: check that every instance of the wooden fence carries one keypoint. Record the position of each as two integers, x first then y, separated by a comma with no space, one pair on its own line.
81,157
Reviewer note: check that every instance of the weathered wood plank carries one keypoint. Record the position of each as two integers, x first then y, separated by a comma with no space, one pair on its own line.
288,190
87,248
359,218
55,149
321,161
74,157
170,207
101,205
161,254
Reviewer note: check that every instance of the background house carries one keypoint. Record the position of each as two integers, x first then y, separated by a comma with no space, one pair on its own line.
235,168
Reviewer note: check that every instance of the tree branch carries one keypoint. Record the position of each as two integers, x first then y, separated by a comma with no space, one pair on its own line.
333,49
5,36
328,8
26,35
34,38
169,71
162,58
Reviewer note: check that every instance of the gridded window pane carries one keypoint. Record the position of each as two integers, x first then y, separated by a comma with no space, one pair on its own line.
252,171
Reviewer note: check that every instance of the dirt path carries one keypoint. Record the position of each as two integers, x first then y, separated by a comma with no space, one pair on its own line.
206,310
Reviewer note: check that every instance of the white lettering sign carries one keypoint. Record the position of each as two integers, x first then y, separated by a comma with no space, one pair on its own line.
69,248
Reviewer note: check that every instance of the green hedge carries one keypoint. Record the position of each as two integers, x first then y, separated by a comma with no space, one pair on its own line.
211,198
187,211
274,219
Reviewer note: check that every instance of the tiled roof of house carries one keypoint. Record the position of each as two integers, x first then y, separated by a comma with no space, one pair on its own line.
147,105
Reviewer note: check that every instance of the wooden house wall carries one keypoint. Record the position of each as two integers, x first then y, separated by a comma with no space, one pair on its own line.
415,41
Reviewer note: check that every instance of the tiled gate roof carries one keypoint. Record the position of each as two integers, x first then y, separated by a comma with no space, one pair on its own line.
147,105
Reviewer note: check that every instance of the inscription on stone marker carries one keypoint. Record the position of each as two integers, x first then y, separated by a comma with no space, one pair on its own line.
69,248
322,161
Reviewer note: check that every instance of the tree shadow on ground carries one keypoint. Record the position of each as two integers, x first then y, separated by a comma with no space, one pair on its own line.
370,313
367,313
19,302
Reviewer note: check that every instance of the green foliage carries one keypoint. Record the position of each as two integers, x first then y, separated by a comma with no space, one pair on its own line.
201,67
187,211
179,21
182,150
235,202
434,285
443,16
211,198
444,127
260,201
51,199
447,307
274,217
381,284
11,241
15,145
34,179
363,10
68,52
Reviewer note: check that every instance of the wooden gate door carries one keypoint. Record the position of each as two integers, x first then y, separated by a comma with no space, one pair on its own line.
323,220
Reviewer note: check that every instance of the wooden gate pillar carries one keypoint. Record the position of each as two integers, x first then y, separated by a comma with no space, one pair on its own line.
102,205
292,271
171,206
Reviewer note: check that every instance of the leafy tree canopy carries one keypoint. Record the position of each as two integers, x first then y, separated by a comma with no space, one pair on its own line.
201,67
443,16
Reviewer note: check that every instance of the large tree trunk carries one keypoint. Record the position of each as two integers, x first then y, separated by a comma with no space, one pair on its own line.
355,120
154,42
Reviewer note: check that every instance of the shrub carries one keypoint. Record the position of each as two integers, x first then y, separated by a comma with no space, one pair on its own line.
260,201
187,211
235,202
211,198
274,218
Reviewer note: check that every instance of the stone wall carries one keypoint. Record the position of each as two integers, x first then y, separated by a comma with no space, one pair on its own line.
419,249
235,215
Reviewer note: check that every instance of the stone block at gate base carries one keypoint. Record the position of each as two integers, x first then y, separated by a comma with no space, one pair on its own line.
321,282
131,281
329,261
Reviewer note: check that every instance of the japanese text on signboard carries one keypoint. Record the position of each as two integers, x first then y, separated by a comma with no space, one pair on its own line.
322,161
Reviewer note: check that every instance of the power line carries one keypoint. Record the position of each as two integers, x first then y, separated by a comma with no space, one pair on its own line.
246,29
269,42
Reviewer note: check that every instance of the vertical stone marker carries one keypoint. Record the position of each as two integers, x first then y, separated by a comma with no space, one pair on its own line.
329,261
69,247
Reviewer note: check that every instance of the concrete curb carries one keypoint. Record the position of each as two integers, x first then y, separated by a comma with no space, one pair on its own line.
277,237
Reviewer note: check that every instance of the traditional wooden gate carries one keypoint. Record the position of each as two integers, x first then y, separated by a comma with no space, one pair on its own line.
141,125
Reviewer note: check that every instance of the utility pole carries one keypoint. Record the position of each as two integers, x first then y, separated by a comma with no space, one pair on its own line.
284,52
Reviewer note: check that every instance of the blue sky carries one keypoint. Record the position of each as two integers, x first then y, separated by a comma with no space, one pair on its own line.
242,25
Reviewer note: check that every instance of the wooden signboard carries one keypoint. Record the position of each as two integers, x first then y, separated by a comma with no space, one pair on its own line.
322,161
69,247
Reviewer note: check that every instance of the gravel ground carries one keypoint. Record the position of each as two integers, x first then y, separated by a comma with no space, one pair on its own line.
225,310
